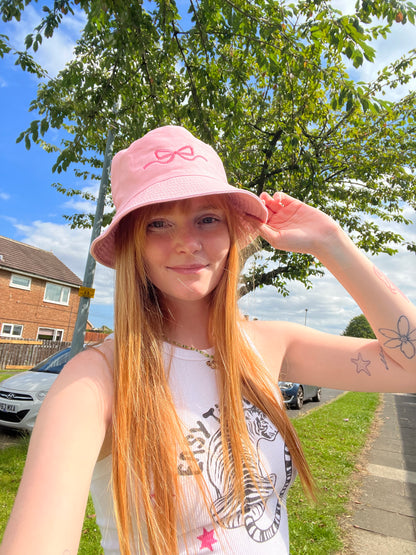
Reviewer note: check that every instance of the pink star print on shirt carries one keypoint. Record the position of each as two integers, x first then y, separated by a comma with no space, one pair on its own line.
207,539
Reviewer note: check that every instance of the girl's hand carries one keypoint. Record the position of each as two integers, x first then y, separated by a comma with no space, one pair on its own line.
296,227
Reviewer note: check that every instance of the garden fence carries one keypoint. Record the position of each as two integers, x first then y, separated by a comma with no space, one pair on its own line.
27,353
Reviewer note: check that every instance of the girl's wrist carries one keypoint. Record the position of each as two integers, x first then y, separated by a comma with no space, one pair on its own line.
336,249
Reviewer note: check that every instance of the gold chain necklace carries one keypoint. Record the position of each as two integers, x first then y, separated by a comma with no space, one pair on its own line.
211,360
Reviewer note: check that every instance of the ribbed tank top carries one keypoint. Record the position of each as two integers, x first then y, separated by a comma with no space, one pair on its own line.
263,529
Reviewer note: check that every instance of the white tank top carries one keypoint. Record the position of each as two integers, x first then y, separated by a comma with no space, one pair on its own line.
263,529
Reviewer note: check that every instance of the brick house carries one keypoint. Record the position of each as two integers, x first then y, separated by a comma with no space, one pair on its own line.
38,294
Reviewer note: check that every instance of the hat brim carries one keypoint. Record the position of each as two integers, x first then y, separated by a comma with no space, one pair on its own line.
175,188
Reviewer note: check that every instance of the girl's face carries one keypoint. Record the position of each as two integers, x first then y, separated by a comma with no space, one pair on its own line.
186,248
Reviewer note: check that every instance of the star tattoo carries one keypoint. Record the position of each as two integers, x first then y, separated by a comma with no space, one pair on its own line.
207,539
361,364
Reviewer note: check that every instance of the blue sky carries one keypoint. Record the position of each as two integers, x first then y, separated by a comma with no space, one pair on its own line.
32,211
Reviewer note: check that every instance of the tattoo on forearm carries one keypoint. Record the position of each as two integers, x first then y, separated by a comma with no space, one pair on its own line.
361,365
389,284
383,359
402,338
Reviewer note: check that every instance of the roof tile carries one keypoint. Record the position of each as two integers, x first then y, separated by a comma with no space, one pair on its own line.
32,260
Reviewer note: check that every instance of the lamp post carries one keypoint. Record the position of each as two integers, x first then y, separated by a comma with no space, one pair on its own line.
306,314
84,302
87,292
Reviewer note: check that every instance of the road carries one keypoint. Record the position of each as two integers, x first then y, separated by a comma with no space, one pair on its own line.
326,396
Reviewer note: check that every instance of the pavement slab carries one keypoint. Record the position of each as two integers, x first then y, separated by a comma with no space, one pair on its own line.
383,513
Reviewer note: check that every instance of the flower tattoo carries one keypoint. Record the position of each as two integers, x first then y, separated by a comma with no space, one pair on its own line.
404,338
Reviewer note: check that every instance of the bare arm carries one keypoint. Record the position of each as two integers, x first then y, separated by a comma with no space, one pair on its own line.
49,508
386,364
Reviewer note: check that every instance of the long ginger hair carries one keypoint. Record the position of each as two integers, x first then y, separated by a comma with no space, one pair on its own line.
147,434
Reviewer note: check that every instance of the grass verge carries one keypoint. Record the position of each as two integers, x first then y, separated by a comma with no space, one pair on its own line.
4,374
12,460
332,436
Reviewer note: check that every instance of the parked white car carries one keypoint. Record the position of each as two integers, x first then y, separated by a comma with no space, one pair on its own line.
22,395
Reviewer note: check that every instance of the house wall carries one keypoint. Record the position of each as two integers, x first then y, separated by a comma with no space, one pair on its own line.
20,306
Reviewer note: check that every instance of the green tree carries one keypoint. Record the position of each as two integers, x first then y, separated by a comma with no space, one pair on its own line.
264,82
359,327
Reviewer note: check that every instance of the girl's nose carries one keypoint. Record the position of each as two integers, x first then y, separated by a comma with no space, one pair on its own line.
187,240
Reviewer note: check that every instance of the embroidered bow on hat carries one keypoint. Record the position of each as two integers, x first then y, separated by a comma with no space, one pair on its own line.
164,156
167,164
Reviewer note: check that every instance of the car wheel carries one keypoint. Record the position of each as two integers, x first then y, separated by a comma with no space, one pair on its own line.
298,402
317,397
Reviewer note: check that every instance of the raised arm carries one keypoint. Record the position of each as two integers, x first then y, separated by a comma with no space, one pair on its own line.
49,508
386,364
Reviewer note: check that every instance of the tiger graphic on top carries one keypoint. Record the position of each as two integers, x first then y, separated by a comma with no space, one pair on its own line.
257,495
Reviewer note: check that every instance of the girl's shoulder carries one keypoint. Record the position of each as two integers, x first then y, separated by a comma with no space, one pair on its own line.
91,370
270,340
265,331
95,360
104,354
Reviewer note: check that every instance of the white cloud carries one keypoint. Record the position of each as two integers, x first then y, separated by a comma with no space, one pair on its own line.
399,41
330,307
327,306
54,52
4,196
9,219
79,204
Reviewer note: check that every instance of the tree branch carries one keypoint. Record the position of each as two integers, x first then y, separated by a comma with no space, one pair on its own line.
266,278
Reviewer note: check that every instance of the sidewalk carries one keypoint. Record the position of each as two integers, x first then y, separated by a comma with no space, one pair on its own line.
383,520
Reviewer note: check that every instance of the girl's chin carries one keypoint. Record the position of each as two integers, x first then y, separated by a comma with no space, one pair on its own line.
190,295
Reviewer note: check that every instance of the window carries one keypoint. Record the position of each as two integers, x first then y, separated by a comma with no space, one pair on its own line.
50,334
21,282
12,330
56,294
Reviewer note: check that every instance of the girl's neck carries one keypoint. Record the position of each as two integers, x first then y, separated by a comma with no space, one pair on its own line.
188,324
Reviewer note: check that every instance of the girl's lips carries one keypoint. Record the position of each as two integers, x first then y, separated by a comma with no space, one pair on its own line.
191,269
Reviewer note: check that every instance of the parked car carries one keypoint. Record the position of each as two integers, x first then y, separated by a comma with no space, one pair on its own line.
294,394
21,396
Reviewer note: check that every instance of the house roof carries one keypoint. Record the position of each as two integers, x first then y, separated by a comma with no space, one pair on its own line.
36,262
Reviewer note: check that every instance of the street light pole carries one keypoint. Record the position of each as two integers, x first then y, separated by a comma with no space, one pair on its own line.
87,291
306,313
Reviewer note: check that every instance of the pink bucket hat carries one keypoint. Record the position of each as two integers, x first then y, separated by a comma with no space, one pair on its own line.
167,164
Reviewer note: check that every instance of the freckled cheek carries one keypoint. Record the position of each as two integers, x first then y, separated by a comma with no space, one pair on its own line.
222,249
154,257
156,250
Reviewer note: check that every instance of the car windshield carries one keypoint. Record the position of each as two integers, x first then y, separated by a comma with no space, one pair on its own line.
54,363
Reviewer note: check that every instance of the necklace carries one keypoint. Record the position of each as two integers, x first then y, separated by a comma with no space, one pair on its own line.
211,360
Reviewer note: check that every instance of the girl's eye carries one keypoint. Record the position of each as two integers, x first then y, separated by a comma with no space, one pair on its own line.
209,220
157,224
